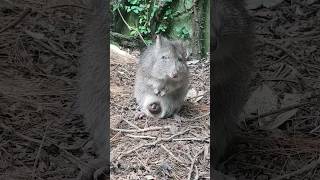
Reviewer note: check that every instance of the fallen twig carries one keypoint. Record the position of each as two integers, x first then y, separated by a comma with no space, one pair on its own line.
67,155
131,124
151,143
66,5
172,155
39,151
307,167
283,49
192,139
140,137
140,130
281,110
17,21
192,163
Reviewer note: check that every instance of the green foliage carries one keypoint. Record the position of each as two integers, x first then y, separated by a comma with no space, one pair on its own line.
183,32
153,17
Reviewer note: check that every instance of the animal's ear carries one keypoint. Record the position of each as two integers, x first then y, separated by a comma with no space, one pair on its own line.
158,41
186,49
188,53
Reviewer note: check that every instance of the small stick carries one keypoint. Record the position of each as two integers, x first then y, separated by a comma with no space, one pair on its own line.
66,5
307,167
192,163
152,143
131,124
17,21
171,154
66,154
141,137
192,139
199,117
283,49
140,130
281,110
196,177
143,163
39,150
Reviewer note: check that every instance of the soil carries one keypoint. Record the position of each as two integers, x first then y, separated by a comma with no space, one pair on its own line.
41,136
283,145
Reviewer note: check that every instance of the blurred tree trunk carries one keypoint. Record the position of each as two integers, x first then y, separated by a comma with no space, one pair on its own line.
199,24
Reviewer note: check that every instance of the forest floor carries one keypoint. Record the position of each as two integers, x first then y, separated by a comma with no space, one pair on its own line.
40,136
281,129
41,139
159,148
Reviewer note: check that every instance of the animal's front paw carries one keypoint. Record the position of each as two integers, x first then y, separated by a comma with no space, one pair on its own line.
96,170
139,115
178,118
160,92
156,91
163,92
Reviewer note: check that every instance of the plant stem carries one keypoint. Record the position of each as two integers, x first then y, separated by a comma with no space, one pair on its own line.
131,28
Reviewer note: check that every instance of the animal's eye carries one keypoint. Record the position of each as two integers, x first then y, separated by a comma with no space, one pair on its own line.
163,57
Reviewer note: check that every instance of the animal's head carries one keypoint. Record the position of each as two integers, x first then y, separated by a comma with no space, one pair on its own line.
170,59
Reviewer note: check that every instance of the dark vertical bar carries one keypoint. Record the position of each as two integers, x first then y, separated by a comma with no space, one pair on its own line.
94,84
230,53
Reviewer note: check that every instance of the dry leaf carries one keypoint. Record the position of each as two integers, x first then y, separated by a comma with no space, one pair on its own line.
289,99
261,101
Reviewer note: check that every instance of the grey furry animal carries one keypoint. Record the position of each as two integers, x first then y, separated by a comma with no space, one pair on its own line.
162,78
231,44
94,88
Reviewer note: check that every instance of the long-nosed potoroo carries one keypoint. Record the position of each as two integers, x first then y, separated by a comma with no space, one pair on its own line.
162,78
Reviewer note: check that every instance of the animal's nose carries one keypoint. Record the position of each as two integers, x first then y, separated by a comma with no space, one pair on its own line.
174,75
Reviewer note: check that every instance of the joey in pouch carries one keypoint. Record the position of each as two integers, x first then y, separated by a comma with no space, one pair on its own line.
231,46
161,82
94,88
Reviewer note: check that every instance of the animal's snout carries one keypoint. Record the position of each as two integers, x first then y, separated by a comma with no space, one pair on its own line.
174,75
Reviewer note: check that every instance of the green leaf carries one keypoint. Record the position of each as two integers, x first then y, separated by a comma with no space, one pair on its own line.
155,8
133,2
148,42
128,8
162,28
182,32
166,1
116,6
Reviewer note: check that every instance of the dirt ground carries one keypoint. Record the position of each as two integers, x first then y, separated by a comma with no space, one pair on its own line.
41,138
283,145
160,148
